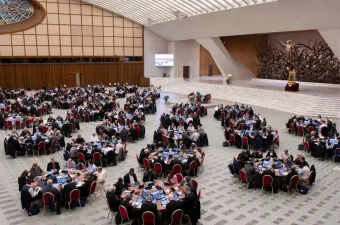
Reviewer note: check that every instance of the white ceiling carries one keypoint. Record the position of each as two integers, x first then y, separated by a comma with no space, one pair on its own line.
149,12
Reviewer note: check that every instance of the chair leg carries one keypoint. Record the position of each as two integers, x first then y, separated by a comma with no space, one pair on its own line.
44,209
69,207
108,214
272,190
111,218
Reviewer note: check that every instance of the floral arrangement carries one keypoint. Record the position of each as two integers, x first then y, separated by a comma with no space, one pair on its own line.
229,78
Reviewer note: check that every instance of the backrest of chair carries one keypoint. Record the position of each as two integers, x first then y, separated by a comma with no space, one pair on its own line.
45,128
74,195
28,146
176,217
222,114
123,212
177,168
148,218
232,138
199,194
294,181
96,157
9,123
194,183
202,161
27,123
300,129
199,150
310,177
306,144
46,196
310,129
137,157
292,127
243,175
93,187
179,177
165,139
146,163
267,180
192,165
80,156
54,143
158,168
245,140
337,151
41,145
231,124
78,116
17,123
87,116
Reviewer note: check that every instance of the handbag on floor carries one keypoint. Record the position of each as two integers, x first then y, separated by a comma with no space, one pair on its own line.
226,144
301,147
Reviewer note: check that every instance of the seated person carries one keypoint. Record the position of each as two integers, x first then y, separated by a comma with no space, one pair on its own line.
53,165
171,207
30,193
257,154
149,206
22,180
149,176
70,186
35,170
70,164
130,178
304,172
56,193
112,199
172,178
80,140
292,173
269,171
271,154
91,167
286,156
120,186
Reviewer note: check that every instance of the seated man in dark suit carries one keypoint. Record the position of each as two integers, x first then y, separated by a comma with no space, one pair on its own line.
70,186
149,176
128,206
175,161
56,193
130,178
23,179
85,189
112,199
39,139
188,201
269,171
149,206
53,165
80,139
171,207
120,186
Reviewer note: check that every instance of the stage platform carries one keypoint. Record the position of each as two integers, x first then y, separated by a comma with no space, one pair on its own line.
311,100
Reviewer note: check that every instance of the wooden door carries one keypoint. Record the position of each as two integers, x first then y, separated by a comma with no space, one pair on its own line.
186,71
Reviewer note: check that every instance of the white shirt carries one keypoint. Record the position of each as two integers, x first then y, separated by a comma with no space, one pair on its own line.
188,120
132,180
191,129
118,146
304,173
34,192
106,150
195,136
94,139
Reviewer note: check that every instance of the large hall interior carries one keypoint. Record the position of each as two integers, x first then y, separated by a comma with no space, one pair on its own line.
154,112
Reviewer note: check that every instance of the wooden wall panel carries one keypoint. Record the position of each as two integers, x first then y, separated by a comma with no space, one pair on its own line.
35,76
243,48
205,60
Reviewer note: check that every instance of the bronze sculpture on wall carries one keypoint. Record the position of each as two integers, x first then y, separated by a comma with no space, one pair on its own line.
314,62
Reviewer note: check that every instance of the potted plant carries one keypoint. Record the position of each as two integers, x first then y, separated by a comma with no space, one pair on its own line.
166,98
229,78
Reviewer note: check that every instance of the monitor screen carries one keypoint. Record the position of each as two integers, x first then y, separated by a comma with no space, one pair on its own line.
164,60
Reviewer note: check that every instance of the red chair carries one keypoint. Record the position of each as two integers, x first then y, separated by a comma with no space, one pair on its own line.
110,119
231,124
300,130
292,129
201,167
267,181
87,117
205,111
158,169
119,121
199,112
53,144
124,213
277,132
176,217
177,168
41,146
310,178
181,123
310,129
243,177
17,124
194,183
110,211
9,125
245,142
165,139
28,123
45,129
78,117
8,108
74,196
44,110
199,150
179,177
222,114
93,189
294,181
128,121
199,194
70,105
232,139
192,168
81,157
146,163
306,144
148,218
97,158
39,111
46,197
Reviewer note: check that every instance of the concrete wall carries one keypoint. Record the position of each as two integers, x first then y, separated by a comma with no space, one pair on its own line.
153,44
297,37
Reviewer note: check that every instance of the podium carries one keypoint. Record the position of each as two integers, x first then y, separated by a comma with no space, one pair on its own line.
292,87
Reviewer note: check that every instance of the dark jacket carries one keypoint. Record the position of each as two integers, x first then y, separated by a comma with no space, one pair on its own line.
175,162
113,201
22,181
50,166
289,176
149,206
171,207
127,178
67,190
119,188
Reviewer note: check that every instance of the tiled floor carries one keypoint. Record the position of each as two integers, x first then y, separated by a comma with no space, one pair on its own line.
222,202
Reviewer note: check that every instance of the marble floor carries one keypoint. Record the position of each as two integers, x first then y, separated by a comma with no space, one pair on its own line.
222,202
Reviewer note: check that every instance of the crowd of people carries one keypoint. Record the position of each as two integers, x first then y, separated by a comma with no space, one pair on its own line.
244,128
320,137
198,97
